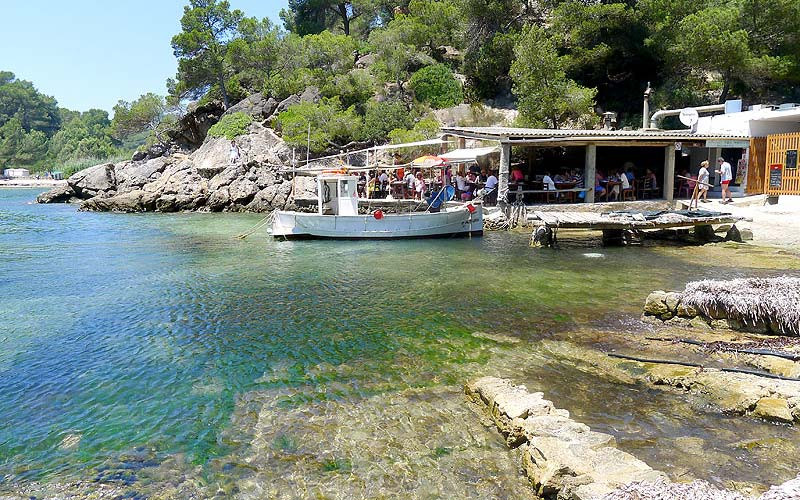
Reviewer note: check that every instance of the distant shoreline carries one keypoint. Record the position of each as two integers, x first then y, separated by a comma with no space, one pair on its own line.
31,183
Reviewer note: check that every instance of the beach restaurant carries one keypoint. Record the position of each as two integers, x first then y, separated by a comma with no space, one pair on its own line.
752,141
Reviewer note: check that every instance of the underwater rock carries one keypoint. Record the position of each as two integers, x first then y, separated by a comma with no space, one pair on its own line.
560,456
773,409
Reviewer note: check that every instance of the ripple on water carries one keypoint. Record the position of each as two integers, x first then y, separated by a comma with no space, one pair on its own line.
163,333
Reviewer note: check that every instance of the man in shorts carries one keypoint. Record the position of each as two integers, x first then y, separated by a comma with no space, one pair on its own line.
726,176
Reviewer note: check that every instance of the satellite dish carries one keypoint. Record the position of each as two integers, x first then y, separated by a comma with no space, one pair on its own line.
689,116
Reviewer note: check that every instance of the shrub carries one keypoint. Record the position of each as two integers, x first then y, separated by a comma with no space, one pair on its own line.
437,86
331,126
231,126
382,117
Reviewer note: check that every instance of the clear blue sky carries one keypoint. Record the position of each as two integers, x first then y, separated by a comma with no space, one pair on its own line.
89,54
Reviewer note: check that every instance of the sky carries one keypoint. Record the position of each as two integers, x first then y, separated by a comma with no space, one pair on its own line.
90,54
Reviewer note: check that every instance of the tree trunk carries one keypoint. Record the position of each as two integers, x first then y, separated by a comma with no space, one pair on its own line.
225,99
726,87
342,6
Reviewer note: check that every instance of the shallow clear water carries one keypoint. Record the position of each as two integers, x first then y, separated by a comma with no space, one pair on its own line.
123,333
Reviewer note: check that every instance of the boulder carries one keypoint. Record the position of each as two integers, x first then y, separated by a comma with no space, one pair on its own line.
685,311
366,61
134,175
132,201
59,194
775,409
655,304
92,181
256,105
671,300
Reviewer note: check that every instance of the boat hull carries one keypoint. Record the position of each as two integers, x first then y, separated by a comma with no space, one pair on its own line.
449,223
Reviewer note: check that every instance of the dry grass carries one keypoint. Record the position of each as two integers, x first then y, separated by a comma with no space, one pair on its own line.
774,301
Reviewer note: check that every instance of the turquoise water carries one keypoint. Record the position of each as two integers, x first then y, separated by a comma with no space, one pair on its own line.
143,332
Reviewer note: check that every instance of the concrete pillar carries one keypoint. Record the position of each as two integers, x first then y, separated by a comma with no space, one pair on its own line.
712,165
669,171
589,169
505,168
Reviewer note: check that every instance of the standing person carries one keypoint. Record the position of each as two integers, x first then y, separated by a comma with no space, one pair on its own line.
233,154
419,186
702,182
725,179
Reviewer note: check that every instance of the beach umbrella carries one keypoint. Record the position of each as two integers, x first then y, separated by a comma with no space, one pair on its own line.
428,161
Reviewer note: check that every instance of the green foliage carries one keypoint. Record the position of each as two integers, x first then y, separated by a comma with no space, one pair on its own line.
353,89
547,98
487,67
330,125
147,113
231,126
382,117
437,86
37,134
424,129
201,47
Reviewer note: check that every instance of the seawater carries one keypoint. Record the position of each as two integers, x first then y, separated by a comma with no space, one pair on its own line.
146,332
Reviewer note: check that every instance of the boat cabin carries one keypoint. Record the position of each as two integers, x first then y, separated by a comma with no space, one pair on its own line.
337,194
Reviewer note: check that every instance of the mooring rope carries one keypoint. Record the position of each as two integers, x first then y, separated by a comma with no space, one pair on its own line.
263,222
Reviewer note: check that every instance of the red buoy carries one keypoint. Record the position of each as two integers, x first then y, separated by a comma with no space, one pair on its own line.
378,214
471,208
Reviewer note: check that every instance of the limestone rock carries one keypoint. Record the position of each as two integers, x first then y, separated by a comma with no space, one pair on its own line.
60,194
655,305
192,128
93,180
699,323
685,310
720,324
256,105
366,61
671,300
776,409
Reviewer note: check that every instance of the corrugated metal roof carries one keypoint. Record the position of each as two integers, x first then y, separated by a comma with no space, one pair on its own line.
512,133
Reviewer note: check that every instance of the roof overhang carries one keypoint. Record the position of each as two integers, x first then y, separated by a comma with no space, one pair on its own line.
566,137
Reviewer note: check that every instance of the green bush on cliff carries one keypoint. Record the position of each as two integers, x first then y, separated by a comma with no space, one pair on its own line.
437,86
231,126
330,125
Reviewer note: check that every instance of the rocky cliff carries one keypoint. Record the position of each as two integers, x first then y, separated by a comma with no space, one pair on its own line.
203,180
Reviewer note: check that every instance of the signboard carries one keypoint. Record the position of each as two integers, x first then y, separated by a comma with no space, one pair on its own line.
728,143
678,146
775,172
741,171
791,158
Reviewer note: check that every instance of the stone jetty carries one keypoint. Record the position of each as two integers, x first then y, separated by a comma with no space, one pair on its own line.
563,458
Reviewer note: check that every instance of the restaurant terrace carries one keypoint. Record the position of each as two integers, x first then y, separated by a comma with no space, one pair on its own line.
536,152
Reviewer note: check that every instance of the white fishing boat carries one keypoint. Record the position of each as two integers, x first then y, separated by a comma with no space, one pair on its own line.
337,216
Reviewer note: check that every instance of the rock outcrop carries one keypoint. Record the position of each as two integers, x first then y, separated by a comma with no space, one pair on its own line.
191,130
203,180
563,458
770,306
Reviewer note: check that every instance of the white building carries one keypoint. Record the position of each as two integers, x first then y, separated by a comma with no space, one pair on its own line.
17,173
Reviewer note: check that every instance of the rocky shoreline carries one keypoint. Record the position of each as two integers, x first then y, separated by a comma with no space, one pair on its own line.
566,460
203,180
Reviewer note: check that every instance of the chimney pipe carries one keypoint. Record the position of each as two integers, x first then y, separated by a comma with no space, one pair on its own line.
646,107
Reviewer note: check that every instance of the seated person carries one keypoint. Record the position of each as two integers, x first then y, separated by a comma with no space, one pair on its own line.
651,179
599,189
491,188
561,177
547,182
517,175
